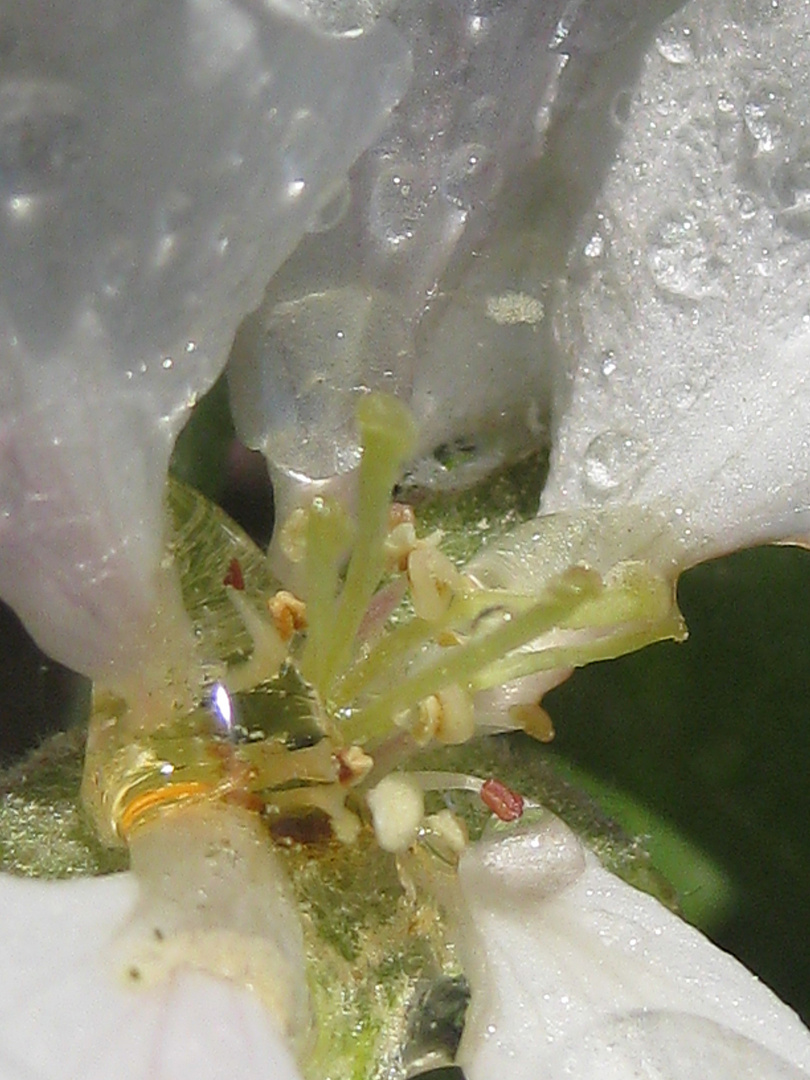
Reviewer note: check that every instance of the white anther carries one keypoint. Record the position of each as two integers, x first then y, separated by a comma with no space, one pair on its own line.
447,716
428,720
397,807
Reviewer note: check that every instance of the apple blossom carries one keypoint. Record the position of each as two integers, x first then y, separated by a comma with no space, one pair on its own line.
666,345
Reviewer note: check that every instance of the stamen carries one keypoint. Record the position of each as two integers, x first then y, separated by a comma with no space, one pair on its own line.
328,533
473,606
448,829
435,780
502,800
388,435
463,664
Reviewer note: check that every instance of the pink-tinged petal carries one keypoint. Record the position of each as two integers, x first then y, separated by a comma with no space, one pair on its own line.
68,1011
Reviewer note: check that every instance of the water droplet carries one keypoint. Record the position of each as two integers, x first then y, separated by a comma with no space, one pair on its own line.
766,118
608,365
40,142
685,395
725,102
595,246
680,257
471,176
610,463
746,205
676,44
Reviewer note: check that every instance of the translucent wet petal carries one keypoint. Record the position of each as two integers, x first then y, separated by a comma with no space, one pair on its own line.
684,329
575,973
147,195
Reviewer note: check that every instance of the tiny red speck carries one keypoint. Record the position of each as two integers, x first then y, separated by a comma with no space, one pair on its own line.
234,576
501,800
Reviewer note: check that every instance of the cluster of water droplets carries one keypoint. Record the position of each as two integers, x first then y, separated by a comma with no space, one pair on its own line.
671,312
435,237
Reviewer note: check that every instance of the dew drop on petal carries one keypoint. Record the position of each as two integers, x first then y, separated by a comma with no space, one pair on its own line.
610,463
675,43
680,257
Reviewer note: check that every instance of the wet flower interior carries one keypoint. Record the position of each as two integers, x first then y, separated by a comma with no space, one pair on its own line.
384,659
332,742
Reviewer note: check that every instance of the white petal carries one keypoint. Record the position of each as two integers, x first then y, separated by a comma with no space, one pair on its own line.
145,200
67,1014
685,327
576,974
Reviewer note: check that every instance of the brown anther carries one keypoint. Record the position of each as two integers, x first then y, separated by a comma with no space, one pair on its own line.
234,576
501,800
305,829
353,764
288,613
